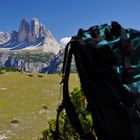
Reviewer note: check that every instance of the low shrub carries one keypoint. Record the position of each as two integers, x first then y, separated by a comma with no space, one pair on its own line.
66,131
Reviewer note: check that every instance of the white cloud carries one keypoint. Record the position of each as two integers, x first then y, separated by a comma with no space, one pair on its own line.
65,40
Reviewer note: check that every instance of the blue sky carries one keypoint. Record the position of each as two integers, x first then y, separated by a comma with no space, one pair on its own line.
64,17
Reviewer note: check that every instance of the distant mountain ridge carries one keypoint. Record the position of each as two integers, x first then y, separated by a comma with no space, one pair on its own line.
30,36
28,62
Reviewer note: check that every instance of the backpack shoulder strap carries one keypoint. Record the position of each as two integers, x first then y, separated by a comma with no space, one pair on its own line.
66,102
68,105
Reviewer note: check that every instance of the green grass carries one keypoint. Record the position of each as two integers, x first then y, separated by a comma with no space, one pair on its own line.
22,96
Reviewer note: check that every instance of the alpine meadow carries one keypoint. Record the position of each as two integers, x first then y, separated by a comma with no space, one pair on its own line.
27,102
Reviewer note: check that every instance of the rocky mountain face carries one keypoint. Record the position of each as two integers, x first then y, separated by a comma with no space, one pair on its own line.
56,64
30,36
27,62
4,37
31,49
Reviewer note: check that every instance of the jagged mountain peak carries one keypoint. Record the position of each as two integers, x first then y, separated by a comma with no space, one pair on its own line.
4,37
23,30
24,20
35,19
32,35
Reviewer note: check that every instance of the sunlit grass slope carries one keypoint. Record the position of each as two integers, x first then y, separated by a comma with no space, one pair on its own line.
31,99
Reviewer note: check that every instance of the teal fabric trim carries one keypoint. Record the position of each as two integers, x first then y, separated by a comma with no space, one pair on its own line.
127,88
110,43
86,36
101,43
136,77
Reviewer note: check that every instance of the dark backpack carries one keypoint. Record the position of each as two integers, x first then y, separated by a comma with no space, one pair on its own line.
108,100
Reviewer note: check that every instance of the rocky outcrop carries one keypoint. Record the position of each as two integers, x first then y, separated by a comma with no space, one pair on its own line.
23,30
31,36
27,62
56,64
4,37
14,36
34,30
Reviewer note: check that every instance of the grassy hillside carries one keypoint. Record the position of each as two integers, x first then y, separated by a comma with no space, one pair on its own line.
31,99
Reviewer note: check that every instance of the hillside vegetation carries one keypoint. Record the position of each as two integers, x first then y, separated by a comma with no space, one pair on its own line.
27,102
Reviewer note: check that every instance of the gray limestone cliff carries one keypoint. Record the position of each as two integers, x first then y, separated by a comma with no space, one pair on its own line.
27,62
